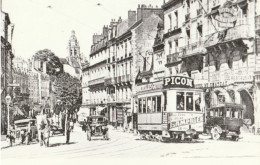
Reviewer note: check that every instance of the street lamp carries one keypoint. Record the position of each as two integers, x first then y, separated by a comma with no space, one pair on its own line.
8,101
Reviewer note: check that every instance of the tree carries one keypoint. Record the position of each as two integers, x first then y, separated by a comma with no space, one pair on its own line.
68,90
54,66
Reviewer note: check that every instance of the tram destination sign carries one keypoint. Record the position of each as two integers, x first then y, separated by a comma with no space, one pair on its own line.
178,82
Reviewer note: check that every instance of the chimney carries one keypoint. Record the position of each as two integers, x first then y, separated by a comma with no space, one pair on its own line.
105,31
119,20
131,18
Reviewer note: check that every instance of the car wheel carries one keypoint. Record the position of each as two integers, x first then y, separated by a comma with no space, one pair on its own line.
235,138
214,133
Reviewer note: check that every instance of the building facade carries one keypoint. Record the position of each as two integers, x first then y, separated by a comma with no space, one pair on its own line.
216,43
117,55
21,77
6,65
213,42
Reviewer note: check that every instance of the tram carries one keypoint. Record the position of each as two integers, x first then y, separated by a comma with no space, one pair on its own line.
170,110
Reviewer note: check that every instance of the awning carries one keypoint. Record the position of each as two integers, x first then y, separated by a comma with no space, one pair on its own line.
84,110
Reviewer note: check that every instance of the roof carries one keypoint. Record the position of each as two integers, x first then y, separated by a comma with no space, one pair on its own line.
24,120
228,105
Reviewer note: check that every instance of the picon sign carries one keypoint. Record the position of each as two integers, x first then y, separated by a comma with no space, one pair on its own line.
178,82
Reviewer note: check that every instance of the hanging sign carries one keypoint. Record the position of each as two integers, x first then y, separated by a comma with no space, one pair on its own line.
226,17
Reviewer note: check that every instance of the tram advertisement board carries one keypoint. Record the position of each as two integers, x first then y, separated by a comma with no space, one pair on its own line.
178,82
184,121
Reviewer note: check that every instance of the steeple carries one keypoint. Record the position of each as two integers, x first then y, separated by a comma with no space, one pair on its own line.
74,51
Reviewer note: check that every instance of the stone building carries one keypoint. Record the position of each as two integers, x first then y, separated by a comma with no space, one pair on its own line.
6,65
117,55
213,42
73,63
21,77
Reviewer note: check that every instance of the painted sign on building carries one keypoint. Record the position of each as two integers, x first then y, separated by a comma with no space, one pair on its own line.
178,82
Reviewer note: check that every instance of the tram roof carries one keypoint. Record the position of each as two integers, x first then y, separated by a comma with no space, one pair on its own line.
228,105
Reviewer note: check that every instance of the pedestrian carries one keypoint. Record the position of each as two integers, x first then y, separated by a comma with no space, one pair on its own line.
68,130
116,124
84,126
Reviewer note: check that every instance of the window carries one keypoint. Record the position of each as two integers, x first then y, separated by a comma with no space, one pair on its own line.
189,101
149,105
170,21
197,99
170,47
154,104
144,105
180,100
158,103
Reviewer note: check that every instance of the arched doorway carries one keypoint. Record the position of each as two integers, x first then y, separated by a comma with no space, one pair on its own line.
246,100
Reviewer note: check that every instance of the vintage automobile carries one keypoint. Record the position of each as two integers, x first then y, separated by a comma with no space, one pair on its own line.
97,127
25,130
224,120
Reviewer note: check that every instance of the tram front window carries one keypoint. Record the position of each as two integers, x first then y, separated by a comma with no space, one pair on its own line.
189,101
197,101
180,100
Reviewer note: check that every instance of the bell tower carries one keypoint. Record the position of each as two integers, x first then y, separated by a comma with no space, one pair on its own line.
74,50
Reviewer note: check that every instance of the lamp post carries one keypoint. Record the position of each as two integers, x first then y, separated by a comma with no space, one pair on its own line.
8,101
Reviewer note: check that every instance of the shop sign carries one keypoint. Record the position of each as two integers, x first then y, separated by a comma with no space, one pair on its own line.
185,121
148,87
178,82
226,17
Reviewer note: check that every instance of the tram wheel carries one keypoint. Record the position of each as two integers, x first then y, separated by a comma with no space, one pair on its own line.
214,133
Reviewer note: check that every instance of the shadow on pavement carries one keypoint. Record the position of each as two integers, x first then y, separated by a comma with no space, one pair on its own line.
61,144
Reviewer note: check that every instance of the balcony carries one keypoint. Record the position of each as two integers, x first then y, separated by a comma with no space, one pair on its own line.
96,81
193,49
126,78
235,33
173,58
110,81
172,32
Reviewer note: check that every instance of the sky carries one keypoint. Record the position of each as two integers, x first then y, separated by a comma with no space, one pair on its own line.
47,24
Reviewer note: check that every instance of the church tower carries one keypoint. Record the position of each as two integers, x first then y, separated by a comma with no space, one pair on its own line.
74,57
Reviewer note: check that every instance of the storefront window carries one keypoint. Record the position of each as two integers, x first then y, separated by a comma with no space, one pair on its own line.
197,99
180,100
189,101
149,105
144,105
158,103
